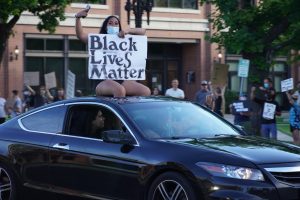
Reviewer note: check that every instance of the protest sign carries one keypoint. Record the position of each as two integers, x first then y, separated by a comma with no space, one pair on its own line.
50,80
70,85
219,74
287,85
111,57
269,111
32,78
240,106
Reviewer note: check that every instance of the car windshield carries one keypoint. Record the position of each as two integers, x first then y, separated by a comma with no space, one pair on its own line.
176,120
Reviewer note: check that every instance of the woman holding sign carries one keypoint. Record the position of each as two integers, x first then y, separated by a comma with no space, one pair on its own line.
117,88
294,118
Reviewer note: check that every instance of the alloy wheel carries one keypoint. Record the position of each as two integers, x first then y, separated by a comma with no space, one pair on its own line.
169,190
5,185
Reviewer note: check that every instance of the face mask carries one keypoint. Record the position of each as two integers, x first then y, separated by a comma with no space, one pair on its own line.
266,85
113,30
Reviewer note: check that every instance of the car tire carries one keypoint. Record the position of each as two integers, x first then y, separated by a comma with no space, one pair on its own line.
8,184
171,185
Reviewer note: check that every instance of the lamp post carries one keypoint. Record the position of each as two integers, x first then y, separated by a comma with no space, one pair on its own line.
138,7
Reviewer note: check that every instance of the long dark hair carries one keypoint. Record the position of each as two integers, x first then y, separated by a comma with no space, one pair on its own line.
103,29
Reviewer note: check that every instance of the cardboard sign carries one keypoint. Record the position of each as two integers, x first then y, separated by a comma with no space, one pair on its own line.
219,74
111,57
269,111
287,85
50,80
32,78
70,85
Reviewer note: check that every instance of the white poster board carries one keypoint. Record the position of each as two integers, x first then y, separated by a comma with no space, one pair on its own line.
112,57
287,85
50,80
269,111
70,85
32,78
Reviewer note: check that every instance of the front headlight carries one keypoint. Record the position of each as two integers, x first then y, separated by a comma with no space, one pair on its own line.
232,171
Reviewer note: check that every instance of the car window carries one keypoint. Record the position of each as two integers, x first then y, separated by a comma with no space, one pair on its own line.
176,119
90,121
49,120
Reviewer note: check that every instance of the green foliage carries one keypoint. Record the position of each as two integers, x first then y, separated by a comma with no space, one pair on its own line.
257,32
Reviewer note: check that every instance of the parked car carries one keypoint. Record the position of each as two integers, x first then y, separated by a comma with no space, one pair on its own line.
134,148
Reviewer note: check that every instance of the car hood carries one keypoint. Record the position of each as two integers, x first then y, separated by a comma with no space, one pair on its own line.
255,149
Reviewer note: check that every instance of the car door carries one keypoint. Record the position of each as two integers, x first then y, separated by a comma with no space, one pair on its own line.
32,151
82,163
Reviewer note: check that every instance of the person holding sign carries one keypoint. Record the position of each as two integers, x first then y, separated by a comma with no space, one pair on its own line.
294,117
117,88
270,109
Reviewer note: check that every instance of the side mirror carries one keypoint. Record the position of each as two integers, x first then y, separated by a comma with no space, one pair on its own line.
116,136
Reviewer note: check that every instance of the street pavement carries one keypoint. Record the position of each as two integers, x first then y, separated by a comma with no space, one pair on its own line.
280,136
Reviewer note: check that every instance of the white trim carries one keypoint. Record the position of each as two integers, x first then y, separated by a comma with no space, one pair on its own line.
175,10
172,40
93,6
44,54
174,24
43,36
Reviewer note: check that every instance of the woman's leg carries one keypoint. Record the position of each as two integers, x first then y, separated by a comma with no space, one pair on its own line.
134,88
296,137
110,87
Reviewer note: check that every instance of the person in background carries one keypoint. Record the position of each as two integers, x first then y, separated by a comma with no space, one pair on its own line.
217,102
204,96
297,93
270,109
294,118
267,87
117,88
242,112
14,108
2,109
174,91
60,95
78,93
42,97
155,92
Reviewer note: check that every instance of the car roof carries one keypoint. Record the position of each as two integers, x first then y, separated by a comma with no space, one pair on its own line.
119,100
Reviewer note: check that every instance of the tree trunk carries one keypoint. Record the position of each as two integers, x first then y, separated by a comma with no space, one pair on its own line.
3,40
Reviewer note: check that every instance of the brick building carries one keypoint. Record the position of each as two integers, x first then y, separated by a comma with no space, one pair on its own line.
176,48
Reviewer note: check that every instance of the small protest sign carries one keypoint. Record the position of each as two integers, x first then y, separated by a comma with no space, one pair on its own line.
240,106
70,84
287,85
50,80
32,78
111,57
269,111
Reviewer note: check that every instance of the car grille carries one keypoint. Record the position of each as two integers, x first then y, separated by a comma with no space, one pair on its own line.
289,175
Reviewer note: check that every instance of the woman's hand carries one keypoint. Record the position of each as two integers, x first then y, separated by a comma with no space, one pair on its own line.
83,13
121,34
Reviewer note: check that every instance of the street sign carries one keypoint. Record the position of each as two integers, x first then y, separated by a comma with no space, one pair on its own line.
243,68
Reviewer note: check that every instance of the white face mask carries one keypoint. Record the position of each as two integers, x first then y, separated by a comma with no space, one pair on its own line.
113,30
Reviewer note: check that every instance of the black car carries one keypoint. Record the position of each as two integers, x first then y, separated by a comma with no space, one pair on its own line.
135,148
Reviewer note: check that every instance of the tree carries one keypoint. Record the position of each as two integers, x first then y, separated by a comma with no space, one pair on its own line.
258,32
49,12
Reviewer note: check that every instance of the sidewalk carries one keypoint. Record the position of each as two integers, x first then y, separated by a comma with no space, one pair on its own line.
280,136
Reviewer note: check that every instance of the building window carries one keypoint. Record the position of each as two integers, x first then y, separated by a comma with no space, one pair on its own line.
102,2
186,4
58,53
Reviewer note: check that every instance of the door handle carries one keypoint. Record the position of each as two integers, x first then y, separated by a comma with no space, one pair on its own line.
61,146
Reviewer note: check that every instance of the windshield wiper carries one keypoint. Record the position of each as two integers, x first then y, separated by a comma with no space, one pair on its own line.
223,134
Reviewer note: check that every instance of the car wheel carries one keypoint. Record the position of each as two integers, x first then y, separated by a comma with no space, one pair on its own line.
171,186
7,184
